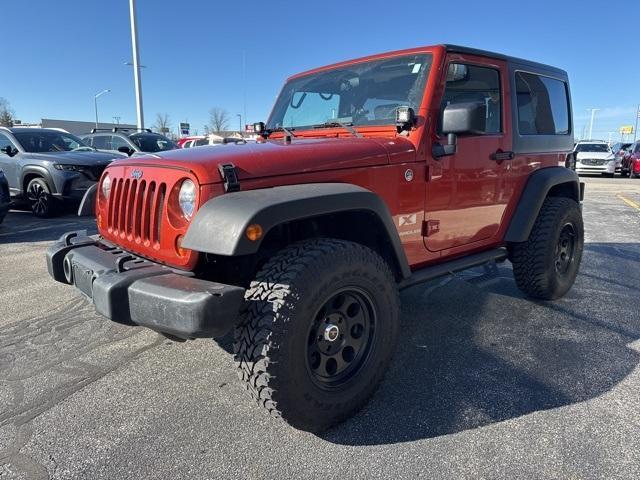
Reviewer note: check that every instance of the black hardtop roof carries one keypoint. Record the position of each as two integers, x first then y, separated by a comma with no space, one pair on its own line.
507,58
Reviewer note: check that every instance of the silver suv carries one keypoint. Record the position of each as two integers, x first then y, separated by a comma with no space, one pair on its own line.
46,166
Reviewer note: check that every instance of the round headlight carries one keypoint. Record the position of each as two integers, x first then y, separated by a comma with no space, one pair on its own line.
187,198
106,186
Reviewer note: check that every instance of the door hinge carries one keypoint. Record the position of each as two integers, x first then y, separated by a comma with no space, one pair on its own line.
430,227
229,177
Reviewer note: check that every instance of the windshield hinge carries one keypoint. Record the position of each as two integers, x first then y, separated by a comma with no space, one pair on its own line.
229,177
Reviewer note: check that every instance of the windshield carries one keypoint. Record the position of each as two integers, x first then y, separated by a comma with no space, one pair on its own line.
366,93
152,142
592,147
45,141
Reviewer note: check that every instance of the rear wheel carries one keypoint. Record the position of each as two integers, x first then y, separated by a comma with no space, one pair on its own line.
40,198
319,331
546,265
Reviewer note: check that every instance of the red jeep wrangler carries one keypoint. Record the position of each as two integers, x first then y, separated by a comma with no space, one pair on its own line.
372,175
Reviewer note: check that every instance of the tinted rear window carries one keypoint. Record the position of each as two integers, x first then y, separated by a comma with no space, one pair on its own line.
543,106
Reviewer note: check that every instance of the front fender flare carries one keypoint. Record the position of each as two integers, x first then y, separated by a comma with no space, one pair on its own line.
220,224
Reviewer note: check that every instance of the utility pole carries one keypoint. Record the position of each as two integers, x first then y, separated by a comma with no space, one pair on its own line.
593,114
635,130
116,120
136,64
95,102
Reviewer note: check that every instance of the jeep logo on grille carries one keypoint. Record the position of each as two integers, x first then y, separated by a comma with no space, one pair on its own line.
137,174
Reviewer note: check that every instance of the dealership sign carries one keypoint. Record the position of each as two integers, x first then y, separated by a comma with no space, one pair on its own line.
626,129
184,128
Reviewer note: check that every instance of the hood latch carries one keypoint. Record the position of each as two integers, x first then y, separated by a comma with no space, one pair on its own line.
229,177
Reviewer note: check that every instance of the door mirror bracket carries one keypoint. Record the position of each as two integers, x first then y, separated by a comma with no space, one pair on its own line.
438,150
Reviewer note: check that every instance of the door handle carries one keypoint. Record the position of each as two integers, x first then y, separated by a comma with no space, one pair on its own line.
500,156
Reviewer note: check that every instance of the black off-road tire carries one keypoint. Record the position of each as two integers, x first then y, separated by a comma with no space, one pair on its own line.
42,202
285,302
536,261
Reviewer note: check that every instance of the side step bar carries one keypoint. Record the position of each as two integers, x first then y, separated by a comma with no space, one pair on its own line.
457,265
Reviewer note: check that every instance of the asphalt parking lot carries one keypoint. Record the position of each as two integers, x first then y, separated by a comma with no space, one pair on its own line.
485,384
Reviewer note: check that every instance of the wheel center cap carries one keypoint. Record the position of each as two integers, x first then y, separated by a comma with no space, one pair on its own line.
331,332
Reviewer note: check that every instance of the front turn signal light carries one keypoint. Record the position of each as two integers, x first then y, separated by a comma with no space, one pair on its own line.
254,232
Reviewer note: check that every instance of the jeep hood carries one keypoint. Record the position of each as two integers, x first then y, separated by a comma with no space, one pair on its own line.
274,157
74,158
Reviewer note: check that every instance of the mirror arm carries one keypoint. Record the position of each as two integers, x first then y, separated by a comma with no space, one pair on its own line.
438,150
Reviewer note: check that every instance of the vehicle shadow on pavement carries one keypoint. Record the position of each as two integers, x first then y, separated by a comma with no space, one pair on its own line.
22,226
474,352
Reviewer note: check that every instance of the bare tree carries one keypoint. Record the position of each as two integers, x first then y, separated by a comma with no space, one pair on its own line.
163,123
6,113
218,119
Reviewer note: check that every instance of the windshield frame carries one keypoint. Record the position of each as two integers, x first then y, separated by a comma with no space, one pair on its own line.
418,90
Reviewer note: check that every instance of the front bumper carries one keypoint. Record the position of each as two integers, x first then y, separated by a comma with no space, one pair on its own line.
135,291
606,168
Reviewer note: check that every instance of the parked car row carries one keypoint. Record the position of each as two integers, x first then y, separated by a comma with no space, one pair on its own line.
45,167
596,156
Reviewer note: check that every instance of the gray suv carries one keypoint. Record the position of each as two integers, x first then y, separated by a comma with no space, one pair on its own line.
46,166
130,142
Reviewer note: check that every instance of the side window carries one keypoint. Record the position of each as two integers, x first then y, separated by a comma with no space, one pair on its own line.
637,148
472,84
102,142
87,141
5,142
543,106
117,142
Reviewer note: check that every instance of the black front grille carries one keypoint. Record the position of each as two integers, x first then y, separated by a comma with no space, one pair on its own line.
93,172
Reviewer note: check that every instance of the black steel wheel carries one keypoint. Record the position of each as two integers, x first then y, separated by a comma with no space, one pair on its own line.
565,249
340,337
40,198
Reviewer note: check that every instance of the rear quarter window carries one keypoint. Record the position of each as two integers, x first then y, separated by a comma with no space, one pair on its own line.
542,104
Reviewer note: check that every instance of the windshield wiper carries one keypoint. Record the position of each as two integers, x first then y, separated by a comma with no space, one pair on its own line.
285,130
334,123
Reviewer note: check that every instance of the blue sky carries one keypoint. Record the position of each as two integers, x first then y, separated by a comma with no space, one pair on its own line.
60,53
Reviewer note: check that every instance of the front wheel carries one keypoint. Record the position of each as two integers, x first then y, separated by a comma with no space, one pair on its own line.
40,198
319,331
546,265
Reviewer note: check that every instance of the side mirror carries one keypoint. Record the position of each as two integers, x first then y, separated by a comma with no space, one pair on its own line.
460,119
126,150
9,150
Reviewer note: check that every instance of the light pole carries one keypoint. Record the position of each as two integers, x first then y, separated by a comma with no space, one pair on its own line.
136,63
593,114
635,130
95,102
239,123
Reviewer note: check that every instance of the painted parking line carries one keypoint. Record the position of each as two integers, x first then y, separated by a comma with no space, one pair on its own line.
631,203
29,230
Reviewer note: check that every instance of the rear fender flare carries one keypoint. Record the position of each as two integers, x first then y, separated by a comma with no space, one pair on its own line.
538,187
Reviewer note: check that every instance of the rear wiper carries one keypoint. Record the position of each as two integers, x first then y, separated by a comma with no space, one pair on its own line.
335,123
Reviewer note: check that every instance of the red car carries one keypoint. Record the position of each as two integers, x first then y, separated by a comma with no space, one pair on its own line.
631,161
182,140
370,176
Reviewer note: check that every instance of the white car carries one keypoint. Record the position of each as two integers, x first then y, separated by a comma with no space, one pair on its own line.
594,156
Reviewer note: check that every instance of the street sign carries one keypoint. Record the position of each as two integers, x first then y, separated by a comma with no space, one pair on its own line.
626,129
184,128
